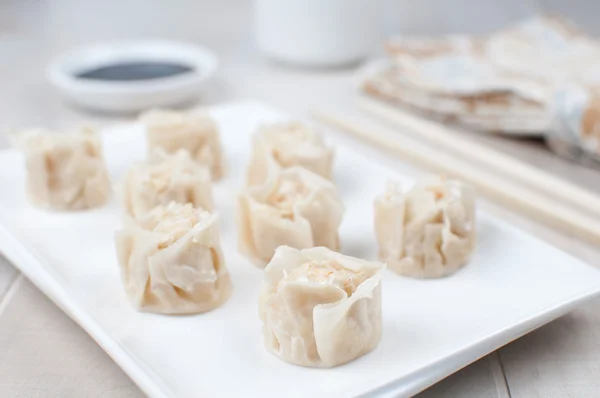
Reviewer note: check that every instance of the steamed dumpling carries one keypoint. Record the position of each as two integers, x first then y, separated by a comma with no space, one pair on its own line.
320,308
288,144
195,132
296,207
171,261
163,179
65,171
427,232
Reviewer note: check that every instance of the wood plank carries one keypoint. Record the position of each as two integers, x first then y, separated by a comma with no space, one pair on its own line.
7,276
45,354
482,379
557,360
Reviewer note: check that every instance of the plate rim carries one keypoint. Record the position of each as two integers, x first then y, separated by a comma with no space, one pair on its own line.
32,265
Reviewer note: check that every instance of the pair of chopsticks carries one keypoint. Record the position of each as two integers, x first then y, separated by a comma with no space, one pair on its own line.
538,203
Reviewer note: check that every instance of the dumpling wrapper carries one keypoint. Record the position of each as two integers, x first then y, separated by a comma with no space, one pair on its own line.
427,232
171,261
65,171
282,145
320,308
295,207
163,179
195,132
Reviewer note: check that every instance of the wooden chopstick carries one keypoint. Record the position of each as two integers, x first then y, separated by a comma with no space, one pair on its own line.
496,188
516,169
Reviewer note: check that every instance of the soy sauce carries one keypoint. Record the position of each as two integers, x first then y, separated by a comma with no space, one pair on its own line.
133,71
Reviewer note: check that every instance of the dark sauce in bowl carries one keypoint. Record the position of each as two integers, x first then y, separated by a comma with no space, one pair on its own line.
132,71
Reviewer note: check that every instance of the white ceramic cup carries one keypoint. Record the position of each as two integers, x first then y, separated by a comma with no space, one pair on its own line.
317,32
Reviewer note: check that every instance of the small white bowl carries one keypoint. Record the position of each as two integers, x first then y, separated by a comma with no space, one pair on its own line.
132,95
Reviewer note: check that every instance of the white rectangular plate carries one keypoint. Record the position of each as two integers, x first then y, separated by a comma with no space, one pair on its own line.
513,284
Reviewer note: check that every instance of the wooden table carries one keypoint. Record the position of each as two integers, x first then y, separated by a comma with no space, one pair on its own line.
45,354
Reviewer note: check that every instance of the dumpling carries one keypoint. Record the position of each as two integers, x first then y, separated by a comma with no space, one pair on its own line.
320,308
427,232
171,261
295,207
288,144
196,132
65,171
163,179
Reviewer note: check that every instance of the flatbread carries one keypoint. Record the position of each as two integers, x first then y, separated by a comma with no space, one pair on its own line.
503,82
388,82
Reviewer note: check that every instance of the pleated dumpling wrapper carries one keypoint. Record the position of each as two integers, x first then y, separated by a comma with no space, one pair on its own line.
65,171
166,178
171,261
296,207
320,308
429,231
288,144
195,132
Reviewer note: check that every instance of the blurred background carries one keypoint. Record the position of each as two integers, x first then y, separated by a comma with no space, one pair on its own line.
33,32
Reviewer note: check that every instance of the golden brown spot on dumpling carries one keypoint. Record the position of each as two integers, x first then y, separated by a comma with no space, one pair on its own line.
287,215
215,259
277,156
184,295
149,298
49,164
91,150
189,196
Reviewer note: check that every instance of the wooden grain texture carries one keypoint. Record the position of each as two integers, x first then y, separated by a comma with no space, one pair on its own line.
558,360
32,32
7,276
67,364
473,381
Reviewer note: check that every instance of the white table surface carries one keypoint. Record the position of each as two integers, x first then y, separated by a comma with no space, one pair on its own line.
43,353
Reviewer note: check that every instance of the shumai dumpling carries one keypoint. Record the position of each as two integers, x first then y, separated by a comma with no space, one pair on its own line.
288,144
171,261
296,207
163,179
196,132
427,232
65,171
320,308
